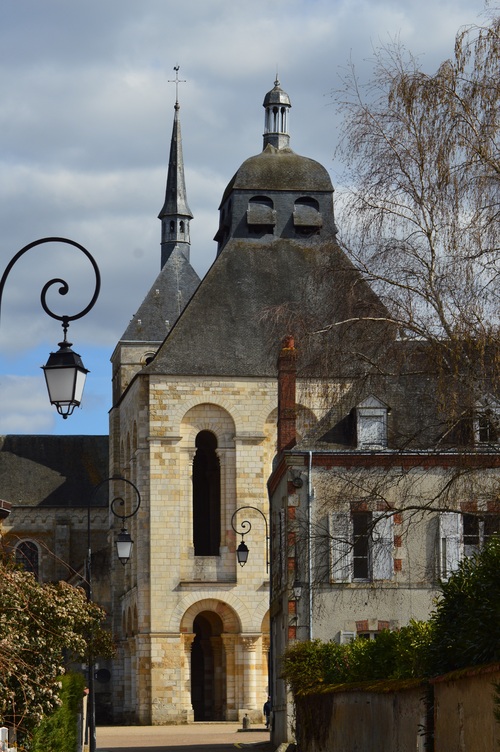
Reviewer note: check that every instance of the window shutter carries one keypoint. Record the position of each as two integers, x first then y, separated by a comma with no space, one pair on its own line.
450,525
346,637
382,546
341,549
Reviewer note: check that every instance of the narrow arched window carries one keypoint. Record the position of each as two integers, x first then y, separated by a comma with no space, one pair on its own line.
172,226
27,557
206,496
181,227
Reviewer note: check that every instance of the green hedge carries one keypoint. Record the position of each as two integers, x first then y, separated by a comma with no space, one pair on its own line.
59,731
393,655
462,631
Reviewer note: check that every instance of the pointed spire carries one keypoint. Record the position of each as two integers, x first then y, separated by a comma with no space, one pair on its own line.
277,104
175,214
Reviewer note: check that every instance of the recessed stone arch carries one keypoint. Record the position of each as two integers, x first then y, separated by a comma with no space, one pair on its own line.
208,416
230,619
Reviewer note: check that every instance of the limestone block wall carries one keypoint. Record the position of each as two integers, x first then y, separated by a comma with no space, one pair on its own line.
165,584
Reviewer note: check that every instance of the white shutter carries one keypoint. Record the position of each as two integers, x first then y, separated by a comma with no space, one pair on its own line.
382,548
346,637
450,528
341,549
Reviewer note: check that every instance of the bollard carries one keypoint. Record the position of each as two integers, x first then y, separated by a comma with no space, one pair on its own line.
246,722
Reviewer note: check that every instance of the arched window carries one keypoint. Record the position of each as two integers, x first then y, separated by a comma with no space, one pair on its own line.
172,226
206,496
181,227
27,557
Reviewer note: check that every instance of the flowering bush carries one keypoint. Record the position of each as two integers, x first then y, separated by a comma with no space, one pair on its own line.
42,627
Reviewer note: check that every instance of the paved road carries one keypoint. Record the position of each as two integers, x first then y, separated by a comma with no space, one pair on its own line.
202,737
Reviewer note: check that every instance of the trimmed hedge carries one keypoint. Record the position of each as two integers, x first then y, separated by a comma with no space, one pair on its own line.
462,631
59,731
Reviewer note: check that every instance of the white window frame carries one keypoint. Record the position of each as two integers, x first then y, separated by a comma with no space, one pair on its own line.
487,407
381,548
451,544
371,424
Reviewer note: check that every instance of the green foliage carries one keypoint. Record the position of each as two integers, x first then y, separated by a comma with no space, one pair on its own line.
465,621
41,627
393,655
462,632
59,732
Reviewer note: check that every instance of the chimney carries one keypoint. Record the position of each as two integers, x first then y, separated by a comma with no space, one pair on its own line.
287,411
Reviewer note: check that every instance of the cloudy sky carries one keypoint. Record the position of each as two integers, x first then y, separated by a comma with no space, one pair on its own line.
86,108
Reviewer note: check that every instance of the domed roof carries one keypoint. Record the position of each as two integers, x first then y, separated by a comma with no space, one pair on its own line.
277,96
280,170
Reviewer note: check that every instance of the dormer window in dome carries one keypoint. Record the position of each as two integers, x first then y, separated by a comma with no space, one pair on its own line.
307,218
261,215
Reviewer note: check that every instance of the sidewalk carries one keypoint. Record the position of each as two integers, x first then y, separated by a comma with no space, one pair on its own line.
209,736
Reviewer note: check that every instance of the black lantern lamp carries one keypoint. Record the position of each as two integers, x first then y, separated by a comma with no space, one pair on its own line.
64,371
124,545
65,377
124,549
124,541
242,551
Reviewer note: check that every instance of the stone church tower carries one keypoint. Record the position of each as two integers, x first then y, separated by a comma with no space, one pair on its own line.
194,425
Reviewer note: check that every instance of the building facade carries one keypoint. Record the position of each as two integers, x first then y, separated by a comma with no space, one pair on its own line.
273,404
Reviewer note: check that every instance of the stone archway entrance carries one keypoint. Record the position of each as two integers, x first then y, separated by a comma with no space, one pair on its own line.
208,696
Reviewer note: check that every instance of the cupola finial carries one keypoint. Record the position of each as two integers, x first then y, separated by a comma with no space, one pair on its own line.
277,105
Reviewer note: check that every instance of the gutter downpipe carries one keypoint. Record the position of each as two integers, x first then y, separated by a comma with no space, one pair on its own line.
309,543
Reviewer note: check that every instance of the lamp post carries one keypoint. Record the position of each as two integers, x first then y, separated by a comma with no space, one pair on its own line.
124,548
64,371
242,551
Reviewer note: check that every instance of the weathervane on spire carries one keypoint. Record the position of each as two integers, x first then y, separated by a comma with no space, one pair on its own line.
177,81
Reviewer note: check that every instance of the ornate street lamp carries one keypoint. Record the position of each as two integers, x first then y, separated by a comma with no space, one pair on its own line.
64,371
242,551
124,549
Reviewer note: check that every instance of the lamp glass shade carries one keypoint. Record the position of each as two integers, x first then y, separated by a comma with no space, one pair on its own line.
297,590
124,546
65,376
242,554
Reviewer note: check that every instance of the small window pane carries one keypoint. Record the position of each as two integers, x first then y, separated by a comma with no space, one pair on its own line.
27,557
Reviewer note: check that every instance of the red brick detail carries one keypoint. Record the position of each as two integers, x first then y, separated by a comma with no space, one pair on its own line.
292,633
384,506
397,518
292,607
383,625
362,626
291,563
493,507
287,410
292,511
291,538
359,506
468,506
398,541
473,461
398,565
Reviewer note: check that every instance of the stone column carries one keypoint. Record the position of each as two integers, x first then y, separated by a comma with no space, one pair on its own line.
218,690
249,643
229,644
266,660
185,693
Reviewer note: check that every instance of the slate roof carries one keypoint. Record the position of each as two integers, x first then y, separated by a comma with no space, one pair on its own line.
279,170
254,294
167,297
52,471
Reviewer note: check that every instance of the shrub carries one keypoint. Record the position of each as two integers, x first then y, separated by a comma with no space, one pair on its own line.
59,731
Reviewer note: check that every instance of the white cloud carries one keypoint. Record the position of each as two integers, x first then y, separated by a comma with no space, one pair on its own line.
85,121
